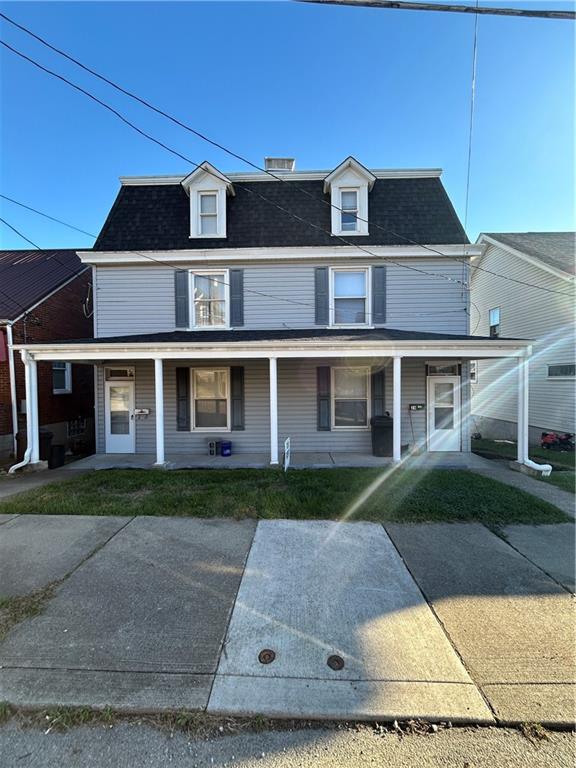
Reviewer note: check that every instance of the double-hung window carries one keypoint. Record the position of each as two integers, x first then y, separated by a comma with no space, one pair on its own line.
61,378
349,210
350,398
210,398
349,297
210,299
208,213
494,321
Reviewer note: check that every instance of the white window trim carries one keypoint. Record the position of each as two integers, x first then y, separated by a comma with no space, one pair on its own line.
336,202
193,427
368,298
195,194
67,378
192,313
207,193
341,191
333,397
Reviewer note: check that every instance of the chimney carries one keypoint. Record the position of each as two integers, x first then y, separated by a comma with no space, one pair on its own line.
279,164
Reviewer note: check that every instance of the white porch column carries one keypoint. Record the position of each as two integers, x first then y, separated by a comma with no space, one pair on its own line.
523,418
397,409
159,395
32,422
273,411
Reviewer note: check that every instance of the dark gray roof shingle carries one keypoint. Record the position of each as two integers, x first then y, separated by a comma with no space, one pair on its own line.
157,217
336,335
557,249
26,277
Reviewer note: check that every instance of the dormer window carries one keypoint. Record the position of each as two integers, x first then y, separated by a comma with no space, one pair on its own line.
349,185
208,213
349,210
208,190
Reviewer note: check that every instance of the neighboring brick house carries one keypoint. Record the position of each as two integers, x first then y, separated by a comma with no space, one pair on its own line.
45,295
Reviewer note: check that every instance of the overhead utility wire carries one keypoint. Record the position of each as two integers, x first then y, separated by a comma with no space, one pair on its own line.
246,160
401,5
46,216
198,165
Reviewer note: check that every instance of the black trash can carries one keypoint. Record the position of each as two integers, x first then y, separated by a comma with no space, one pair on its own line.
381,435
57,456
45,443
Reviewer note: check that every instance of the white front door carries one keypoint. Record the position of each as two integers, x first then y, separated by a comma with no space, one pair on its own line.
444,413
120,417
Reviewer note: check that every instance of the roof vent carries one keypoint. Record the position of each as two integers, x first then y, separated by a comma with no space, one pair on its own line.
281,164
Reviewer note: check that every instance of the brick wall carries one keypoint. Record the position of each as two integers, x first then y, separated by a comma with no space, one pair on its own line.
61,316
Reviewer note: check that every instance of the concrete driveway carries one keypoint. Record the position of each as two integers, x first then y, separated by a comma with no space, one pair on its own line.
443,622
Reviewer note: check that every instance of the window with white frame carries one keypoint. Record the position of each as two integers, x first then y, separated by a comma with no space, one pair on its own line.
350,398
349,299
208,213
209,299
562,371
349,210
494,321
61,378
210,398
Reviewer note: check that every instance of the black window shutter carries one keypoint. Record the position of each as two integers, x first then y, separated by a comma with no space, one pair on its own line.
236,297
377,386
322,296
323,395
237,395
183,399
182,298
378,295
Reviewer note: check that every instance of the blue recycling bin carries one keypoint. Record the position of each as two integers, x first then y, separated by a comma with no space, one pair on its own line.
226,448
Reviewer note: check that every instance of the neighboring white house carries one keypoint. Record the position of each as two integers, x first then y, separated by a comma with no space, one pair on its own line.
512,308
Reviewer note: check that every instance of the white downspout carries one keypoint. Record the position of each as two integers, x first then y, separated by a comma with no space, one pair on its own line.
12,376
29,425
524,420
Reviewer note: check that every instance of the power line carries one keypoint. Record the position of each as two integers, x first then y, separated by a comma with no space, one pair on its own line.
20,233
243,159
400,5
240,186
46,216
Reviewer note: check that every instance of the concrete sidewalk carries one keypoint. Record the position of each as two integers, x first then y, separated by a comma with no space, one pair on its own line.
500,470
173,613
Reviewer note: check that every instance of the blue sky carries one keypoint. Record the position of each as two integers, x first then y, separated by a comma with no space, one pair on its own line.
314,82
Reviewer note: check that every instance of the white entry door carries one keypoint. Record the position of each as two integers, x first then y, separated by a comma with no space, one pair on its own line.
444,413
120,417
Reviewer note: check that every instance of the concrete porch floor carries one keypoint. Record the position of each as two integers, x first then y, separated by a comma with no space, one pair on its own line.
300,460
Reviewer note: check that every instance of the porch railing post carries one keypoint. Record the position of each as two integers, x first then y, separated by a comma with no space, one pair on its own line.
397,409
273,411
32,412
523,417
159,395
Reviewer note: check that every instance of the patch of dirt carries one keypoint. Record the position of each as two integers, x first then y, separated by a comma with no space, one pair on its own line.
13,610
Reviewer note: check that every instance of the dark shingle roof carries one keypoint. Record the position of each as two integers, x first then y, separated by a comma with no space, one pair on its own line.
157,217
336,335
557,249
26,277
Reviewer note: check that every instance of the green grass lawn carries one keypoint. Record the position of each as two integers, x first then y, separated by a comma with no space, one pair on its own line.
563,475
401,495
499,450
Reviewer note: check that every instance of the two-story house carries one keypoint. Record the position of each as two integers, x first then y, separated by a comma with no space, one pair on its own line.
251,308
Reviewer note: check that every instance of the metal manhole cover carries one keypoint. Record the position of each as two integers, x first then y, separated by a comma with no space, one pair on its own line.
266,656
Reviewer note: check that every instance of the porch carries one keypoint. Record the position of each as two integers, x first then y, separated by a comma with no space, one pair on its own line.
299,460
163,399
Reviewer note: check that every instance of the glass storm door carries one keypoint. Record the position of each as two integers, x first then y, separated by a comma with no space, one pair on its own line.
444,413
120,417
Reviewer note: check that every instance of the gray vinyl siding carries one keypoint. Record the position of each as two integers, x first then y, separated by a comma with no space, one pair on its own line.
140,299
296,405
527,313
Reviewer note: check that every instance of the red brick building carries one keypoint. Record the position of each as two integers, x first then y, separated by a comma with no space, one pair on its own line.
45,295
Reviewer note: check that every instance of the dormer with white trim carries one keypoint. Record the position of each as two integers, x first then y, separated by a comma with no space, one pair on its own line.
349,184
207,189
